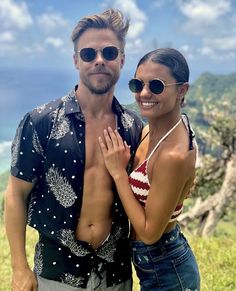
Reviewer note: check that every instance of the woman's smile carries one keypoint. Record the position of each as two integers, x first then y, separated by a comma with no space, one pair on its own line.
148,104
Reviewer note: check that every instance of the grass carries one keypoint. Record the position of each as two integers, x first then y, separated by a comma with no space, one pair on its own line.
5,264
216,257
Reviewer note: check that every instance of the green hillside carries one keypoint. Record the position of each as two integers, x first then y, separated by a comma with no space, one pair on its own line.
215,87
3,184
3,181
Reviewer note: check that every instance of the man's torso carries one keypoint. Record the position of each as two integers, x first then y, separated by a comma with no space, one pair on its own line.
95,219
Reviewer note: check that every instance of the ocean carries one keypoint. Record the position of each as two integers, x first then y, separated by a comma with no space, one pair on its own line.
22,90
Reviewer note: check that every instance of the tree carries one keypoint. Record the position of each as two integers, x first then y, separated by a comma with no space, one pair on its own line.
211,210
216,177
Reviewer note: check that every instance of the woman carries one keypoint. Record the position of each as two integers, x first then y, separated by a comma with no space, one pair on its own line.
164,170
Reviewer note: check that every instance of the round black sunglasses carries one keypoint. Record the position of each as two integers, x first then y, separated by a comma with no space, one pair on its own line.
88,54
156,86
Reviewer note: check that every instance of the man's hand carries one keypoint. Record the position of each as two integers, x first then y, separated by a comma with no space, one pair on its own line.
24,280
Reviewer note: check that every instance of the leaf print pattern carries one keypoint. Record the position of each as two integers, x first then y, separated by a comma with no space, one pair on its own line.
31,208
60,188
68,97
36,144
38,259
107,250
62,124
71,280
67,238
127,120
39,109
15,147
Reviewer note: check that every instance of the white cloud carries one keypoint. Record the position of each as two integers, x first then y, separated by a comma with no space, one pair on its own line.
214,23
6,37
34,49
5,148
223,43
185,48
137,17
14,14
50,21
219,48
54,42
161,3
205,17
206,51
204,11
188,51
134,46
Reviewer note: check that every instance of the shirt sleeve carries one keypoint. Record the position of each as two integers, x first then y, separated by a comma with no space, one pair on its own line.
26,152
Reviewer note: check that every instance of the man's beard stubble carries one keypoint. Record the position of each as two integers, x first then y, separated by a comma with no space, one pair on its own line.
100,90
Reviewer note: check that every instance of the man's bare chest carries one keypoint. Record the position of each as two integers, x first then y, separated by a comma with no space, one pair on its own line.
93,131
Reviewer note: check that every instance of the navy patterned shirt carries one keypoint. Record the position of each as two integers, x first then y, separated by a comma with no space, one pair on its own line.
49,150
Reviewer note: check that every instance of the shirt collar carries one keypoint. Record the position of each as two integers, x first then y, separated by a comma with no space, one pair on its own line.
72,104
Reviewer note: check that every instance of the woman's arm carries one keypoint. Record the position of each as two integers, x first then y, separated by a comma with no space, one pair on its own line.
168,180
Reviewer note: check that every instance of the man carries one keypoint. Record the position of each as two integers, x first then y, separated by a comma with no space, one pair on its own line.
59,184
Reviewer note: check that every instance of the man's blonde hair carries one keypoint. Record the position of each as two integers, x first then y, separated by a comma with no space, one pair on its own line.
112,19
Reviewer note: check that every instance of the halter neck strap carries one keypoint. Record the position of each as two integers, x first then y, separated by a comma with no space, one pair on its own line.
164,137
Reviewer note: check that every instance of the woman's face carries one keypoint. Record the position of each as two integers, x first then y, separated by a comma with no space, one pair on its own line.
155,105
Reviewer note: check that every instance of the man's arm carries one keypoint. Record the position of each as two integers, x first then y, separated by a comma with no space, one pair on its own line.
15,223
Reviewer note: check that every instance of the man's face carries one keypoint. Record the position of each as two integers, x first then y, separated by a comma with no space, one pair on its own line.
99,75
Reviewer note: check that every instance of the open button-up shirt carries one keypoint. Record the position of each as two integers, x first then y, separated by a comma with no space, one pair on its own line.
49,150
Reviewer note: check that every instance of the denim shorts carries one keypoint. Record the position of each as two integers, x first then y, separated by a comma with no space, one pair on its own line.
168,264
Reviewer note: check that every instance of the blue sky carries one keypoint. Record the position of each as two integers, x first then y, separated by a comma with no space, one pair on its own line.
37,33
35,38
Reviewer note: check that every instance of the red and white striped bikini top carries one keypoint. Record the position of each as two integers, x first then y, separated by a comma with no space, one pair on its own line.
139,181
